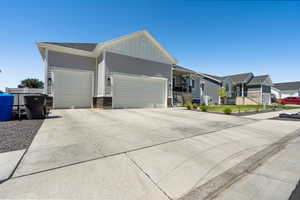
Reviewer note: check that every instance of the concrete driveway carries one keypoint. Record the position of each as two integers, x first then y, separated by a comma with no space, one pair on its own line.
73,136
136,154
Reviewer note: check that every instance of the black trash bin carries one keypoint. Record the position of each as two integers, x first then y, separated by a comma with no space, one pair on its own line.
35,106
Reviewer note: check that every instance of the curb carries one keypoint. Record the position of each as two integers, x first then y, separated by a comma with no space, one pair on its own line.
215,186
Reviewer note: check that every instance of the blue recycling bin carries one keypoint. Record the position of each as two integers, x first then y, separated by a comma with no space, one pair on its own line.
6,106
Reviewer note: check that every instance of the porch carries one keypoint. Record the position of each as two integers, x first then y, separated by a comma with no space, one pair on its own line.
182,84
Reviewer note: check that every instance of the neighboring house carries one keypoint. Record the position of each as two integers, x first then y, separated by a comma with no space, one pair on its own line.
133,71
242,89
287,89
209,88
275,92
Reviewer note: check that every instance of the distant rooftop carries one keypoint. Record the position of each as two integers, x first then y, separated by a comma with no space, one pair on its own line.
257,80
239,78
183,69
288,85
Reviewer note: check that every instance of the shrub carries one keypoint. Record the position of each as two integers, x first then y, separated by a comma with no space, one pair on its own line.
189,106
227,111
195,106
204,108
274,107
257,108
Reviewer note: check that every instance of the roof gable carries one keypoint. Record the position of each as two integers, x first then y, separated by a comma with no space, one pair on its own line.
240,78
140,45
261,80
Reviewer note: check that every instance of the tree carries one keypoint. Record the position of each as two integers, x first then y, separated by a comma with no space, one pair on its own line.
31,83
223,94
1,92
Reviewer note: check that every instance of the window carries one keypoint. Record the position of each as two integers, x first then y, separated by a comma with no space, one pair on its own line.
174,82
202,84
193,83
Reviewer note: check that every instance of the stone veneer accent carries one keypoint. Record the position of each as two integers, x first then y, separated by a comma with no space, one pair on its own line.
169,102
102,102
49,102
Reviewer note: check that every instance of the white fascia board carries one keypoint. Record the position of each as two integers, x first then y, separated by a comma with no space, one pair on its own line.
273,88
209,77
65,50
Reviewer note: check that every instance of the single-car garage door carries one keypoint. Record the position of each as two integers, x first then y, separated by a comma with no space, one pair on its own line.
72,89
130,91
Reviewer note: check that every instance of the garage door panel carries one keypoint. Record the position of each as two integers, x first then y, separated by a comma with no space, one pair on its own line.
72,89
138,92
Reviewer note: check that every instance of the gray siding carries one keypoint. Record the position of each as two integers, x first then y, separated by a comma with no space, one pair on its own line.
71,61
58,59
258,89
211,89
196,89
130,65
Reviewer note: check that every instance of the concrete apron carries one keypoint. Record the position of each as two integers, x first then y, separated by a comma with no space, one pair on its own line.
219,184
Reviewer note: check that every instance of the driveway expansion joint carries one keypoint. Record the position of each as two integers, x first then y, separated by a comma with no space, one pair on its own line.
148,176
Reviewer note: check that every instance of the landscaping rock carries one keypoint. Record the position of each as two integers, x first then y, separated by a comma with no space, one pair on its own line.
17,135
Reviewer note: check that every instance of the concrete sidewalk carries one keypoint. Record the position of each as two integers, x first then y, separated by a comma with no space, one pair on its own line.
274,180
8,163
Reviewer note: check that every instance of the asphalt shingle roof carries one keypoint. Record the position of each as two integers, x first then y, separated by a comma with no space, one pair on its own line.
239,78
183,68
80,46
214,77
288,85
257,80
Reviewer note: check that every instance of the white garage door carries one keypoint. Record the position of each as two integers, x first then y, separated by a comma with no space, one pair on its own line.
139,92
72,89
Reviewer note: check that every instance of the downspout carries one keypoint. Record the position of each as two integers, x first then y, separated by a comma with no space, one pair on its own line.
261,94
172,86
46,71
243,94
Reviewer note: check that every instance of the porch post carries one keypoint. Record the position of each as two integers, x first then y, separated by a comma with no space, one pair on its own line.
242,89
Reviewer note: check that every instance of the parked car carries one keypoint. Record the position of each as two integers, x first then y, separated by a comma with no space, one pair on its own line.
291,100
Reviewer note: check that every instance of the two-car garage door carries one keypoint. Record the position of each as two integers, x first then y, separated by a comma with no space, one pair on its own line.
72,89
130,91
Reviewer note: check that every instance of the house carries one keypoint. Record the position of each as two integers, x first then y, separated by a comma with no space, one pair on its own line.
287,89
132,71
209,88
242,89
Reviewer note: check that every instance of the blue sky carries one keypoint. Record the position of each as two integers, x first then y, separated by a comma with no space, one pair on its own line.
216,37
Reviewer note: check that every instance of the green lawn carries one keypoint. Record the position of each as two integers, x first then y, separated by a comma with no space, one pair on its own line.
244,108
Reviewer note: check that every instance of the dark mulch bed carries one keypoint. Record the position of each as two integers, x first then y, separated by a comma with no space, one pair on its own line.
242,113
17,135
253,112
285,119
